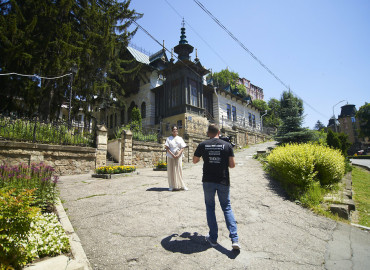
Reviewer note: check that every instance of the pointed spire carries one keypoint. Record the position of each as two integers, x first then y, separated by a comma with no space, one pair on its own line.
183,49
183,36
196,56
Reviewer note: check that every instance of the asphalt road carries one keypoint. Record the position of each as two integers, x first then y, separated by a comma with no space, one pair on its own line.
134,222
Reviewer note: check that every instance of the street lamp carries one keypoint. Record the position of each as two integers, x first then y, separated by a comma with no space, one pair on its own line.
335,121
73,70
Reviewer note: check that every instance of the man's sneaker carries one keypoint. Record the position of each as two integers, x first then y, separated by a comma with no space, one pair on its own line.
235,245
212,243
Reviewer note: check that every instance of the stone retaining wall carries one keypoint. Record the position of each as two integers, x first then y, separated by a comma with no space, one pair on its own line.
147,154
64,159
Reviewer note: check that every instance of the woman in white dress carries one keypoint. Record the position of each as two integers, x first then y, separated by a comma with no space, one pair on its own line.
175,146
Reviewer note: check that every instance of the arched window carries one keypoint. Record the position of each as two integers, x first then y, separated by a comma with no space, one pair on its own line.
143,110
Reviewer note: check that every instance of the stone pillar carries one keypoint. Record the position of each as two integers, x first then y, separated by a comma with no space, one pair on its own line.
101,146
126,148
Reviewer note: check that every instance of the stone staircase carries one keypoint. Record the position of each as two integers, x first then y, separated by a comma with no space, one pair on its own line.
341,202
111,161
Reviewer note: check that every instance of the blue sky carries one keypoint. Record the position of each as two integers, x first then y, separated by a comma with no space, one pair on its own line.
319,48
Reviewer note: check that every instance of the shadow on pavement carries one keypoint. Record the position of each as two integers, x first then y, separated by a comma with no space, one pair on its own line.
276,187
157,189
187,243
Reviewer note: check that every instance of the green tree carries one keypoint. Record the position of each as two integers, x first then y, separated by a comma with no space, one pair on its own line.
272,119
261,105
225,78
47,38
333,140
363,115
291,114
136,123
319,125
344,143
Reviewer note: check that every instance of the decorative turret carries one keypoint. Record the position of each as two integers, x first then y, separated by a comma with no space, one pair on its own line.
183,49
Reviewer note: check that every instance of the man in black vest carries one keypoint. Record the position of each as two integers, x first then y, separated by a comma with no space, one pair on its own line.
218,157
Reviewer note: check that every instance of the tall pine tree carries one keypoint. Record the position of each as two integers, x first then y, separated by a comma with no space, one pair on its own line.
47,38
291,114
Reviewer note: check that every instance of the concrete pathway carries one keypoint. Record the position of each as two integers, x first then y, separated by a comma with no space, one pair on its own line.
136,223
365,163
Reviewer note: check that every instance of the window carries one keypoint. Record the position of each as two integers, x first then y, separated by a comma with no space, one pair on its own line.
250,119
193,93
228,111
143,110
179,124
234,113
175,94
254,120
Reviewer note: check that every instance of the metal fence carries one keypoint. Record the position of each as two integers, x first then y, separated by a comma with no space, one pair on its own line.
37,131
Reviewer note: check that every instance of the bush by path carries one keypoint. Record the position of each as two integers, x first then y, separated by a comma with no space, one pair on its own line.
305,170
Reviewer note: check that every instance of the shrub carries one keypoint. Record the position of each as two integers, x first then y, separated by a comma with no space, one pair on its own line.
16,215
299,166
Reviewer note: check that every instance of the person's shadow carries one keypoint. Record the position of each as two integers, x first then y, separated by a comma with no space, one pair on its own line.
188,243
157,189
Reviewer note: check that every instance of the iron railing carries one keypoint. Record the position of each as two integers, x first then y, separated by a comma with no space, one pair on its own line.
37,131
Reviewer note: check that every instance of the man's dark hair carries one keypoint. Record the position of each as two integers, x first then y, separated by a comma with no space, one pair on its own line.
213,129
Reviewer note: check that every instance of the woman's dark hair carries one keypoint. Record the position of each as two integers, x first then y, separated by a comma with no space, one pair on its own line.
174,126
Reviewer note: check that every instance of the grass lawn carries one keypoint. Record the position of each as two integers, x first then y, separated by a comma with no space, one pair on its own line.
361,187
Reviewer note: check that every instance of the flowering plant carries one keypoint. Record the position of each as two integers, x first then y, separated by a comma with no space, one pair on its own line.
115,169
161,165
37,176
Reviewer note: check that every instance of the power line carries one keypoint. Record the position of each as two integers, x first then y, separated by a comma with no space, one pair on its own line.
253,56
34,75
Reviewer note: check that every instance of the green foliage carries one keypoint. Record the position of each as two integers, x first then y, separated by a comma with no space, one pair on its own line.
136,121
363,114
47,38
38,177
16,216
291,114
319,137
242,90
319,125
272,119
261,105
225,78
332,140
361,188
24,130
304,168
338,141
